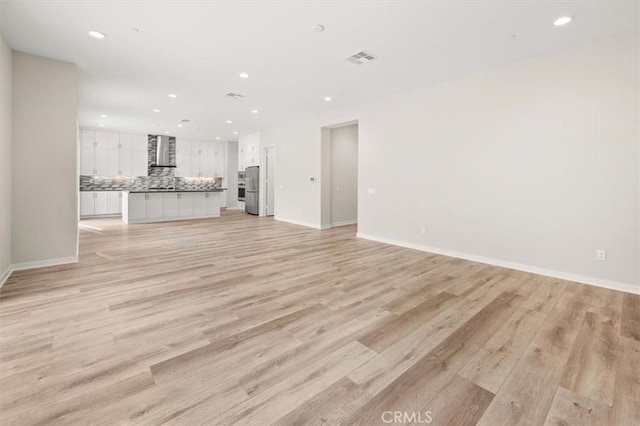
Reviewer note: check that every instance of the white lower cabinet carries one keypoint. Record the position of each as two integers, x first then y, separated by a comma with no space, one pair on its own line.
170,204
166,206
134,207
155,206
198,203
212,203
185,204
97,203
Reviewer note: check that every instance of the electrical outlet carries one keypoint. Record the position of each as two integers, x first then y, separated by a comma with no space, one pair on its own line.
423,230
601,255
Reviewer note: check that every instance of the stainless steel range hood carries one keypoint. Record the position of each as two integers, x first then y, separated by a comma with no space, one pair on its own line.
162,151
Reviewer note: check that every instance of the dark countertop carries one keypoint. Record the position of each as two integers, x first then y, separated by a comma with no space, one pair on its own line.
143,191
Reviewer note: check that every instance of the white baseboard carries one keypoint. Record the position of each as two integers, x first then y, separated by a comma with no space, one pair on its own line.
345,223
613,285
44,263
5,275
170,219
295,222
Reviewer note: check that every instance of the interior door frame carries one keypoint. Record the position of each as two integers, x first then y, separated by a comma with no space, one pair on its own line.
263,179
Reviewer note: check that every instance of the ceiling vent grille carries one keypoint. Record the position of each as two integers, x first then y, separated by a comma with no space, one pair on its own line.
361,57
235,95
186,120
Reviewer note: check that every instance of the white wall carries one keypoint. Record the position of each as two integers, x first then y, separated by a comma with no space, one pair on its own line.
534,165
45,178
344,175
5,158
232,175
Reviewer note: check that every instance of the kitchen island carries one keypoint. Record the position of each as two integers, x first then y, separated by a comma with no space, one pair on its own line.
165,205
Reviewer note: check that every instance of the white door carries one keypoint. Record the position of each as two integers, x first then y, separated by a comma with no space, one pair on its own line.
113,202
125,155
269,176
100,202
185,204
154,206
87,138
139,155
137,206
113,154
199,204
87,156
170,201
183,165
213,203
86,203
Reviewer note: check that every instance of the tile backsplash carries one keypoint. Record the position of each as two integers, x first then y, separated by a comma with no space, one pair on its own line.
142,183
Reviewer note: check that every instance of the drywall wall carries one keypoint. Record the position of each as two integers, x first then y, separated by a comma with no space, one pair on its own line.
344,175
6,90
232,175
533,165
45,176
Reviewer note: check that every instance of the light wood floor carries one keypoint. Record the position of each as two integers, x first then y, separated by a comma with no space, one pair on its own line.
251,321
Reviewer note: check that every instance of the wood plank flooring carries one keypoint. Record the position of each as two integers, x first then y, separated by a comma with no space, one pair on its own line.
245,320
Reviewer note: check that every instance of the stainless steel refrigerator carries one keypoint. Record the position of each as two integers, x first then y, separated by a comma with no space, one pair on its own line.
252,180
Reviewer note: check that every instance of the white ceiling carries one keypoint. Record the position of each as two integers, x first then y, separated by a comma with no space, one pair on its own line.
197,49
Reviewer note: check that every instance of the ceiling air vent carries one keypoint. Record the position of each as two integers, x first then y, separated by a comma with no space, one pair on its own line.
234,95
361,57
186,120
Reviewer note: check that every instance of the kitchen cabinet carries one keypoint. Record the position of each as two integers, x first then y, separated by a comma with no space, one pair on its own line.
134,206
112,154
199,158
86,203
198,204
183,158
97,203
171,201
154,206
114,202
139,155
185,204
142,207
166,206
212,203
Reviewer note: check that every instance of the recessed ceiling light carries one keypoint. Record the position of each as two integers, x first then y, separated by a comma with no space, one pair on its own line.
327,98
255,111
179,125
104,116
229,121
101,125
171,95
244,75
563,21
97,34
167,132
156,110
136,30
317,28
218,138
235,133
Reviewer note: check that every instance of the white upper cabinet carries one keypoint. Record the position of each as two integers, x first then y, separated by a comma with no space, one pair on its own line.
112,154
139,155
125,155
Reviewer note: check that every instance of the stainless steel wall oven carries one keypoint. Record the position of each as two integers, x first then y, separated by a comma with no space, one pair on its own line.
241,186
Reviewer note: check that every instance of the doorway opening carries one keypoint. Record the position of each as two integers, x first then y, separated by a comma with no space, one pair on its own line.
339,175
